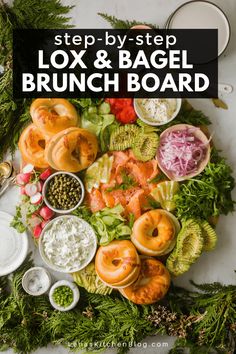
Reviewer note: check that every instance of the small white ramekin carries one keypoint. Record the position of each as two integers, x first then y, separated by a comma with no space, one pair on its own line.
44,192
30,274
73,287
149,122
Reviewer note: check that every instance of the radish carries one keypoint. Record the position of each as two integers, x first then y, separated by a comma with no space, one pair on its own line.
45,174
23,178
22,190
36,199
28,168
46,213
34,221
31,189
39,186
37,231
44,223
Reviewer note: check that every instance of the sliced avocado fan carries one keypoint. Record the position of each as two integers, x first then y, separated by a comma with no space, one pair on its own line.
188,248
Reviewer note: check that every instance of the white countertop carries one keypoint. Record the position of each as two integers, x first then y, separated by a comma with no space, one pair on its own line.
218,265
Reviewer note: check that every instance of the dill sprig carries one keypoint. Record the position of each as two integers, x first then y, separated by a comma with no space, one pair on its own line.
127,183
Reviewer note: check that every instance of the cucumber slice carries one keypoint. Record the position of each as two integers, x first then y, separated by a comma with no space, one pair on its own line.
104,108
92,110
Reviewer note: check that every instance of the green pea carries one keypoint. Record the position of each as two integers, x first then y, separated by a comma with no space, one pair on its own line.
63,296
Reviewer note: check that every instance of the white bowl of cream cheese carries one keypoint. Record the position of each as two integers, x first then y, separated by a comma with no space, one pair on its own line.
157,111
67,244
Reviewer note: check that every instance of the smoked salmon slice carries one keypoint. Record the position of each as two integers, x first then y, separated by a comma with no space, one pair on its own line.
134,205
95,200
134,198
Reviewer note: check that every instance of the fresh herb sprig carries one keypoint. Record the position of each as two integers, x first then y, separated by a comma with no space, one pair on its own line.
117,23
208,194
127,183
17,222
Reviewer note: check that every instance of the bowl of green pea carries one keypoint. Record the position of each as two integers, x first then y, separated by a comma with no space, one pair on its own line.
64,295
63,192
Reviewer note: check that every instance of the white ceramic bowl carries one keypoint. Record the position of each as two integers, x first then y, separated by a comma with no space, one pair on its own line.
76,267
73,287
199,14
201,136
149,122
33,275
45,186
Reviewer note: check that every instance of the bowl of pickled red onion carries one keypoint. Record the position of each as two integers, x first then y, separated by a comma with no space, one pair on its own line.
183,152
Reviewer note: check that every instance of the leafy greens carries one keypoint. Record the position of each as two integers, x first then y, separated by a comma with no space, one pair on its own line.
96,117
108,223
208,194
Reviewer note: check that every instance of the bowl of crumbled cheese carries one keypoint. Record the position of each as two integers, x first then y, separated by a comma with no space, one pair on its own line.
157,111
67,244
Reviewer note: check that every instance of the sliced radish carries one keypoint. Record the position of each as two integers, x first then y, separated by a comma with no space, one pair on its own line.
34,221
31,189
23,178
40,186
46,213
22,190
44,223
37,231
45,174
36,199
28,168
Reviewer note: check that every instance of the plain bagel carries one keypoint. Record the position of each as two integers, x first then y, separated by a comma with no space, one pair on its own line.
52,115
152,284
117,264
32,145
154,233
72,150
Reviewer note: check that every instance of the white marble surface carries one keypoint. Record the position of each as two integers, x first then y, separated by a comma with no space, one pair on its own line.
218,265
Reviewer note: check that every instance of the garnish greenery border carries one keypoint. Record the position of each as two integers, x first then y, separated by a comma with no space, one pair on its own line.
204,321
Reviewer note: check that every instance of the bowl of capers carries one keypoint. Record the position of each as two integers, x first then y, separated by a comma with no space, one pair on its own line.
63,192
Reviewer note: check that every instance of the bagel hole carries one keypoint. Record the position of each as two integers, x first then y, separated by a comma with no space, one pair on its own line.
76,154
116,262
155,232
53,112
42,143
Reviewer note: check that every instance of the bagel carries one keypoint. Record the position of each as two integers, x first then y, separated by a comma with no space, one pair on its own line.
32,145
52,115
154,232
72,150
117,264
152,284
